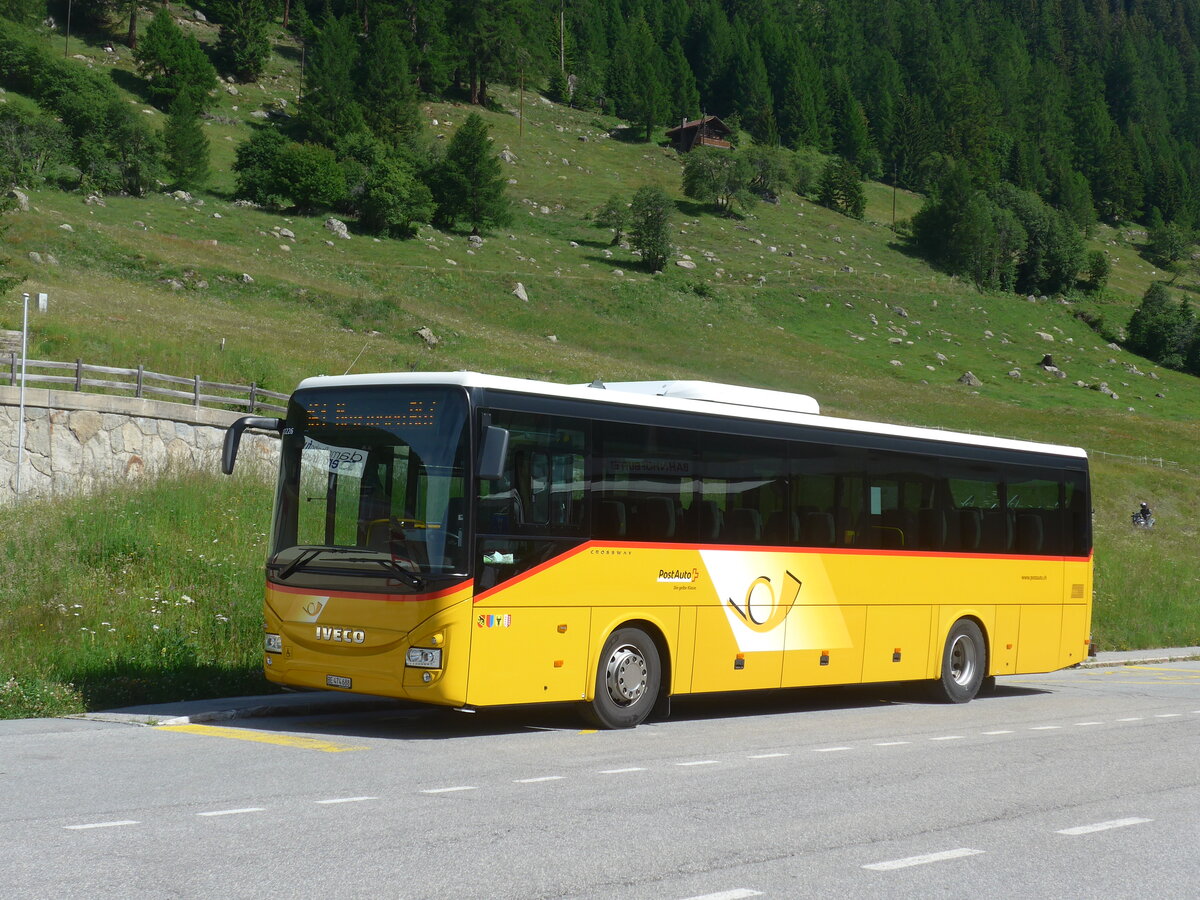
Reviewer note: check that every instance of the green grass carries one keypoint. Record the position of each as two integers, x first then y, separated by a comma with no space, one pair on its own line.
787,296
133,596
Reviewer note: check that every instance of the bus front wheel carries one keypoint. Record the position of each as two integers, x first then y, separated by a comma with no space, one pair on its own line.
964,664
628,678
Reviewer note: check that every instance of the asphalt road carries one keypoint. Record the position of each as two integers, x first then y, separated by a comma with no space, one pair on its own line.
1080,784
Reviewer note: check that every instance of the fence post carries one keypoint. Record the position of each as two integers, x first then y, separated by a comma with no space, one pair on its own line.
253,396
196,394
140,378
78,374
12,367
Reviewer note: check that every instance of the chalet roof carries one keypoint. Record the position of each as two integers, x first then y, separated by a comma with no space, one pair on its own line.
712,123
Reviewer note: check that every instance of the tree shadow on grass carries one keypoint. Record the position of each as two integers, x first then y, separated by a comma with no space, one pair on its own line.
596,245
129,81
630,134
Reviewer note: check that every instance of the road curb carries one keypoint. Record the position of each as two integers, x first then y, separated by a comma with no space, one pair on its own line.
282,705
1101,663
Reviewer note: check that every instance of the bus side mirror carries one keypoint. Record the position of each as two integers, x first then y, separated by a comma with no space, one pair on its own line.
233,437
494,453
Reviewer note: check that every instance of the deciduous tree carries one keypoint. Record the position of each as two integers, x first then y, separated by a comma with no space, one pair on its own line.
649,226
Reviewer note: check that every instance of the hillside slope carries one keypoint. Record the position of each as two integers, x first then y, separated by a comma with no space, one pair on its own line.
791,296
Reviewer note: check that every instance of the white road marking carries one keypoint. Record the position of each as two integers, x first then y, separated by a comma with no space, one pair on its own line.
347,799
735,894
1103,826
767,756
102,825
1132,719
1045,727
700,762
828,749
539,779
621,771
948,737
1080,724
921,860
1167,715
892,743
232,812
450,790
1001,731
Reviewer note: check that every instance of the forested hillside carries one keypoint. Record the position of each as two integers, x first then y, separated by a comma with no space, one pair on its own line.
1023,123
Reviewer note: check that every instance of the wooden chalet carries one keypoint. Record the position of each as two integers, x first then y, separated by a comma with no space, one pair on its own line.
707,131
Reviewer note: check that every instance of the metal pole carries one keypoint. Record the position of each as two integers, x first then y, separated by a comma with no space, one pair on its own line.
21,413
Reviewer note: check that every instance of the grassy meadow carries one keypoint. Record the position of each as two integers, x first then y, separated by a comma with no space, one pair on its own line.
152,592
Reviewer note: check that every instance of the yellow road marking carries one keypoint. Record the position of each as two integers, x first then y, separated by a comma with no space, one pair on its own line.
262,737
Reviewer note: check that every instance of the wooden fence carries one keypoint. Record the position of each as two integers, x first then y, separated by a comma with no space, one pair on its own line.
140,383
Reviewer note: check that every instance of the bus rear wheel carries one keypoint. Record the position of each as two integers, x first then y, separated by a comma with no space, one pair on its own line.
628,678
964,664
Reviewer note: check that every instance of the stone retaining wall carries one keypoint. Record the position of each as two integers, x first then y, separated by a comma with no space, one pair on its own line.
76,442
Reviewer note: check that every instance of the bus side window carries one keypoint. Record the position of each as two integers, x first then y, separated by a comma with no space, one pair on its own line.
542,490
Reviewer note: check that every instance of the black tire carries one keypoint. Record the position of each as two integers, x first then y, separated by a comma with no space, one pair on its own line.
628,678
964,664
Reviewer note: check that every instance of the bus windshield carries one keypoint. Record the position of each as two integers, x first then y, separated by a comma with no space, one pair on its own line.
371,489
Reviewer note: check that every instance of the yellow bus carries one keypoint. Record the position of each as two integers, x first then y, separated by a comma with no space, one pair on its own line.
470,540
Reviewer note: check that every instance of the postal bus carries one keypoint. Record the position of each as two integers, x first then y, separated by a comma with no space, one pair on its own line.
470,540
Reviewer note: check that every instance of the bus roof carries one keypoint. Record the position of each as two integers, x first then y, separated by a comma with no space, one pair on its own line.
707,398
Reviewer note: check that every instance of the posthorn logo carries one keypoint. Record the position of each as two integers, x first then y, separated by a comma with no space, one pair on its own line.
678,576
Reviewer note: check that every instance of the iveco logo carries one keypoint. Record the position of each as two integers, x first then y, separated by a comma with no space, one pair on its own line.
342,635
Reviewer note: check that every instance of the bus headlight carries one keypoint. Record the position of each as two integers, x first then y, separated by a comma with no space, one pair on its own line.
273,643
423,658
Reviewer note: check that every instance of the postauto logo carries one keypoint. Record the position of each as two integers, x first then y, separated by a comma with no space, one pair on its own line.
678,576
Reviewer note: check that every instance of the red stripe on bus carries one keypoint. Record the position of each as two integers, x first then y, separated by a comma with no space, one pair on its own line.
742,548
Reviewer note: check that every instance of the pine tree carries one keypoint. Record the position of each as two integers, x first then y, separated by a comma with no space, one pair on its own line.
642,99
174,63
387,90
1159,329
328,109
841,190
244,44
683,100
468,184
185,144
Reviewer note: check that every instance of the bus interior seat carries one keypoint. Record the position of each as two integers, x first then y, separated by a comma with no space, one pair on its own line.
708,521
654,519
1029,533
610,519
997,534
970,527
743,526
932,528
782,530
819,530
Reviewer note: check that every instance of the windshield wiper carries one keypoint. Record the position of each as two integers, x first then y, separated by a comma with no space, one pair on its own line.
307,556
299,562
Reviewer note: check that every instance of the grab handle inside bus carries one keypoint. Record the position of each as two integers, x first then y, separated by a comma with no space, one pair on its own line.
233,437
494,453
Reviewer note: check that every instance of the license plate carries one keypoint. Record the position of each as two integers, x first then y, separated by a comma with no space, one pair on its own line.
338,681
